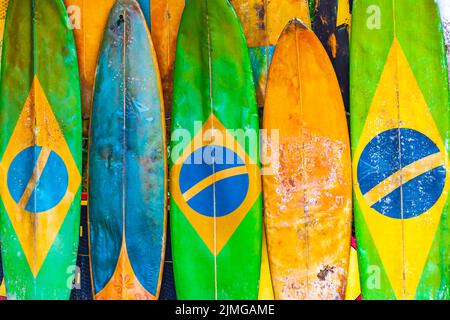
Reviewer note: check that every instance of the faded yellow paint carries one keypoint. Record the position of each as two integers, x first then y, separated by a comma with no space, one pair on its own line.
165,20
280,12
37,125
344,15
403,260
88,19
308,199
264,20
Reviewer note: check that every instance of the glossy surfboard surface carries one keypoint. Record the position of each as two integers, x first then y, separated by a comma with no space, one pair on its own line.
40,151
444,6
400,134
332,20
263,21
216,207
165,21
3,9
127,175
307,194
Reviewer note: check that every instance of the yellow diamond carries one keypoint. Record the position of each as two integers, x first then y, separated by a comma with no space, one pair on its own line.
37,126
403,244
215,231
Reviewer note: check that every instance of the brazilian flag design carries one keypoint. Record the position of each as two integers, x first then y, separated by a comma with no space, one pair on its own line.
400,134
215,183
40,151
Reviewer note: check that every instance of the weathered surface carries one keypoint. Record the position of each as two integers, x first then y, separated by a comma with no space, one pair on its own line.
88,20
165,21
127,175
263,21
216,214
40,151
3,8
444,6
400,134
308,198
332,19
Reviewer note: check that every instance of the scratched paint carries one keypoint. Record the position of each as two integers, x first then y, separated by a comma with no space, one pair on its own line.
332,26
400,135
308,198
262,22
444,6
127,185
40,150
165,21
216,209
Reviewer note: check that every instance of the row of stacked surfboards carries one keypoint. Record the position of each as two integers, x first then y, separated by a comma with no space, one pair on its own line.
218,71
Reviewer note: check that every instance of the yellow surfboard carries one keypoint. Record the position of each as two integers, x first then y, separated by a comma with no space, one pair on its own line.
307,181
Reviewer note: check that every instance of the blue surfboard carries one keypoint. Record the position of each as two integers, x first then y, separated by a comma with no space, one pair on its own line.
127,162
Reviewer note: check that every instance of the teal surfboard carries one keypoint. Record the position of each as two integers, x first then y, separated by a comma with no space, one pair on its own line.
127,162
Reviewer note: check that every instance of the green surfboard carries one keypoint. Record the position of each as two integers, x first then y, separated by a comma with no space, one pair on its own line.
215,183
40,151
400,134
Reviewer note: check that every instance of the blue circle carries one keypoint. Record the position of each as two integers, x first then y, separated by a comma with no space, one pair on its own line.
386,155
48,190
226,195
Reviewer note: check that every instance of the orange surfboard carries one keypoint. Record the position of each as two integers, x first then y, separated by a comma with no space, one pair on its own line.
307,181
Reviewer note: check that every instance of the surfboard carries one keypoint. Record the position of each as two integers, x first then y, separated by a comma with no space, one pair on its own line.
307,181
400,132
88,20
444,7
40,151
332,21
263,21
216,207
3,9
127,162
